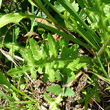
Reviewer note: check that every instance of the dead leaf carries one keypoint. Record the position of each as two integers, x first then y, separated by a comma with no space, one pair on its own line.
56,37
29,34
43,21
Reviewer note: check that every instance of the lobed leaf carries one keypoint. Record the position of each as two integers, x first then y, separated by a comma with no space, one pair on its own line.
33,73
73,64
69,75
52,46
48,98
68,92
54,103
56,89
18,71
27,55
35,49
50,72
44,51
58,76
74,49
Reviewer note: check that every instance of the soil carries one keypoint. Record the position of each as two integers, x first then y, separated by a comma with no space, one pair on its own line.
68,103
37,88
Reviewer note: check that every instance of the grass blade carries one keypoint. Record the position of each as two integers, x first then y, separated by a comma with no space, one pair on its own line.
71,10
66,36
4,95
105,73
88,39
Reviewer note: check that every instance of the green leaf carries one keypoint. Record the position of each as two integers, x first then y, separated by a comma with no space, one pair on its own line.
56,89
4,81
61,42
58,6
74,49
97,98
41,30
44,51
65,52
58,76
70,76
40,70
60,64
68,92
80,65
107,10
52,46
14,45
45,77
50,72
18,71
34,48
54,103
81,3
27,55
48,98
33,73
73,64
69,52
11,18
22,86
75,6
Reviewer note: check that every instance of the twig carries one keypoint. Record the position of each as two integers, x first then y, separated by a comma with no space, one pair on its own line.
98,104
72,82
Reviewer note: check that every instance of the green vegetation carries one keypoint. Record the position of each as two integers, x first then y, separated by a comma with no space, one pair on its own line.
41,41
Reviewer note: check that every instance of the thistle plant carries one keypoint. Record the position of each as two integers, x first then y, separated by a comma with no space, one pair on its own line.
84,23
